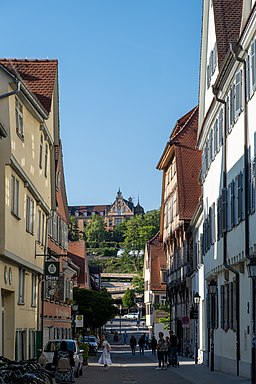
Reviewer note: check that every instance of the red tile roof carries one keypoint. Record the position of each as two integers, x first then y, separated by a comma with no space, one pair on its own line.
228,18
38,76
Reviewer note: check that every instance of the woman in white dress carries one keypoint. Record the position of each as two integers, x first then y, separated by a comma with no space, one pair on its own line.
105,358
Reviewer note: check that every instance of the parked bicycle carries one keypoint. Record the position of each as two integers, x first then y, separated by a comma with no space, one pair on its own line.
23,372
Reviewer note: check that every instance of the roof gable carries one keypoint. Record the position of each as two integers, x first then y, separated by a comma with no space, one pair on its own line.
38,76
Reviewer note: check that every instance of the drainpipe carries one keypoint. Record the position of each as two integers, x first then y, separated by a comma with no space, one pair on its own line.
227,266
12,92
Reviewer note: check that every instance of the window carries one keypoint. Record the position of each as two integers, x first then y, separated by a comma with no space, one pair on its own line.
39,226
33,290
46,160
15,196
21,292
41,152
30,215
21,345
19,117
58,179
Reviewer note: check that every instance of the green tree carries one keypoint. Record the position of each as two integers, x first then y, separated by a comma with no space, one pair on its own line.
73,230
139,230
97,307
95,232
138,284
128,298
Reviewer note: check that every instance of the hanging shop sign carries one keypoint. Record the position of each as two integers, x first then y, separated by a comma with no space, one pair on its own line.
52,270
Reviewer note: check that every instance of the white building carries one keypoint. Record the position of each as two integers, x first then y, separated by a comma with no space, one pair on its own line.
227,137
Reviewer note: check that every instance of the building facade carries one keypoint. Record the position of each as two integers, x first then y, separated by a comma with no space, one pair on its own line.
28,105
180,164
226,135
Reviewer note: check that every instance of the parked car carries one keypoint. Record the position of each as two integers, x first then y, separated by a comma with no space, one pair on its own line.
131,316
93,343
53,345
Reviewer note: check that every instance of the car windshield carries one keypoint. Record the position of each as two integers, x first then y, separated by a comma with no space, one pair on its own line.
53,346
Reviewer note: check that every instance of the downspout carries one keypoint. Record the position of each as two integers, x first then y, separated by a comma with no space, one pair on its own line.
236,48
225,264
12,92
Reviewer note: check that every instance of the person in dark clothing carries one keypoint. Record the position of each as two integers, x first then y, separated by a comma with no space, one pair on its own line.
153,345
141,343
133,343
65,373
173,343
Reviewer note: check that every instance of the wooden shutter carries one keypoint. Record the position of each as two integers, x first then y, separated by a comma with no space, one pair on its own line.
224,210
248,78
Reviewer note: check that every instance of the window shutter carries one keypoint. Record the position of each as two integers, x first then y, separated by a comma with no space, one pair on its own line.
232,213
248,80
215,140
253,65
228,122
221,128
222,306
239,198
210,226
253,185
229,208
249,187
213,224
224,211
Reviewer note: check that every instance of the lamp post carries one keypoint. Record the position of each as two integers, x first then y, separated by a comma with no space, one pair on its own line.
212,289
111,322
120,313
74,310
251,267
196,302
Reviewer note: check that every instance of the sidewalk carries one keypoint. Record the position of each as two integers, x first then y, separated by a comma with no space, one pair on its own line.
128,369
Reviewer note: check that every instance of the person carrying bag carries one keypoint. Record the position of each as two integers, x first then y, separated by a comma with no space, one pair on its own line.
63,361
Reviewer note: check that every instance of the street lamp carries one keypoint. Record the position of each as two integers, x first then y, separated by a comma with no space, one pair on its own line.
212,290
196,302
74,308
251,267
111,322
120,313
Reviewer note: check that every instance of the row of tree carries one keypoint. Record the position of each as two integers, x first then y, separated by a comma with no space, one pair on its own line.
130,237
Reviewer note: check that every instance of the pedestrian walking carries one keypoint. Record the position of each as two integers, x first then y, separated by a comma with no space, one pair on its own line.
141,343
161,349
133,343
105,357
63,362
153,345
125,336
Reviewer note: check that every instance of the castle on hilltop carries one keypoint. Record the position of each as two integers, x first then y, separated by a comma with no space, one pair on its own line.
114,214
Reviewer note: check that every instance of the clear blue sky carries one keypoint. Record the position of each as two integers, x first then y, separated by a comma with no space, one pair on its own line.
128,69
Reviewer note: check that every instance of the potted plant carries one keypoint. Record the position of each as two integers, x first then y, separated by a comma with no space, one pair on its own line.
85,347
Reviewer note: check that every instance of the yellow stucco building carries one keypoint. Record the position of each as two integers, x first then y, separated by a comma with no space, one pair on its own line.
29,115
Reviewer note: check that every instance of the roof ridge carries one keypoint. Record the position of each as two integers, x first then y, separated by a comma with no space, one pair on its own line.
174,138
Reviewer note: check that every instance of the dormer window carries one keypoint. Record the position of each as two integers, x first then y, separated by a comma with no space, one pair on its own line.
212,64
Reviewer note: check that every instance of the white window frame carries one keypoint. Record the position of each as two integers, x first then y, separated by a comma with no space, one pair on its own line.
21,291
30,205
33,290
15,196
19,117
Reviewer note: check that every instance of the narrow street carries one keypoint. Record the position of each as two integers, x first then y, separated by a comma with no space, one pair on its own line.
129,369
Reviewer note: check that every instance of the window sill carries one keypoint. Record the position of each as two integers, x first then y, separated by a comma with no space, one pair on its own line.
20,136
16,216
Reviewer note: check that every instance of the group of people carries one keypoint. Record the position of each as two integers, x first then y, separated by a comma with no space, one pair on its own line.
167,350
143,343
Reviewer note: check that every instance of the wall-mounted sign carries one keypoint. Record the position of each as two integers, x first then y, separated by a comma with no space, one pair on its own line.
52,270
79,321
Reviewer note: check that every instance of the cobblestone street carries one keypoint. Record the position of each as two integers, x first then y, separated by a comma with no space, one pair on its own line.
128,369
